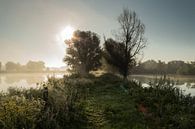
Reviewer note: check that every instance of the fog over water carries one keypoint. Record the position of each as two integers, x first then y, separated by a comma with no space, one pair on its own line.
26,80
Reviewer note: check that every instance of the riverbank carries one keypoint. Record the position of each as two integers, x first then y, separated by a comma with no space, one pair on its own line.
29,72
103,102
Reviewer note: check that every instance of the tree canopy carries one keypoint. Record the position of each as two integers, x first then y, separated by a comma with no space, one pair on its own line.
129,42
172,67
83,53
31,66
35,65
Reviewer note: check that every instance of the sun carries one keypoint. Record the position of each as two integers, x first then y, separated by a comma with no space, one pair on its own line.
66,33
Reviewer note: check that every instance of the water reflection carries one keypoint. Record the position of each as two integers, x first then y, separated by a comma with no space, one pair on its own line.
186,83
29,78
23,80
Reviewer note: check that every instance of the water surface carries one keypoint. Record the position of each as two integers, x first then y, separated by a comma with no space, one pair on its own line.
185,83
24,80
28,80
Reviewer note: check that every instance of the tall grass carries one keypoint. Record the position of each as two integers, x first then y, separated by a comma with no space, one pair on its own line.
26,108
90,102
166,105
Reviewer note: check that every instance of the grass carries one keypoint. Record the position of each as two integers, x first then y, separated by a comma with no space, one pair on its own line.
103,102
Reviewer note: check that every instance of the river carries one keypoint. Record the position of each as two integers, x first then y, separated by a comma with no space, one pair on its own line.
184,82
24,80
28,80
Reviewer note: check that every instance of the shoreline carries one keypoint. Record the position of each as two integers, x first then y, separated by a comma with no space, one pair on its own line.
27,72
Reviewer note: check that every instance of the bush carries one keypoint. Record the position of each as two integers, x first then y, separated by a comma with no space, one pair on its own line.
17,112
165,106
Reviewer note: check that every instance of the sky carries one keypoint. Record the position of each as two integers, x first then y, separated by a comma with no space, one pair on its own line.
29,28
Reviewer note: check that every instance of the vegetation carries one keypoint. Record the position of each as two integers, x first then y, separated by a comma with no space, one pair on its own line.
99,102
0,66
35,66
84,52
129,43
31,66
172,67
76,102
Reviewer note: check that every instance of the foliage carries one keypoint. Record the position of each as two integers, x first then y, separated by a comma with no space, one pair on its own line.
77,102
115,56
83,52
0,66
165,106
31,66
160,67
17,112
63,108
11,66
129,43
35,66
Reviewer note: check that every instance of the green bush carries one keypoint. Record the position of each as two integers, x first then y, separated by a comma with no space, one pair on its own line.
17,112
167,106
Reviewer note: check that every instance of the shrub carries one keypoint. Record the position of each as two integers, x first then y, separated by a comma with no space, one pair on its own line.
17,112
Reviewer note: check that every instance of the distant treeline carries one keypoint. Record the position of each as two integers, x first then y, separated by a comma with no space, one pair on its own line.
160,67
147,67
31,66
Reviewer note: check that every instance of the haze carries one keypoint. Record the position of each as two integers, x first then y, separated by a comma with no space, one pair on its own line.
29,29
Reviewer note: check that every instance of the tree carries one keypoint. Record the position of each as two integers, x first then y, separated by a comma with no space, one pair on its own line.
12,67
149,67
114,55
83,52
173,66
129,43
35,66
161,67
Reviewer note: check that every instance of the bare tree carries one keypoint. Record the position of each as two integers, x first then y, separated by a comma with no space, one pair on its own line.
131,38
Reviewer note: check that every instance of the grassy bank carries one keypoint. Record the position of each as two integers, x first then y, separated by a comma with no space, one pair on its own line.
103,102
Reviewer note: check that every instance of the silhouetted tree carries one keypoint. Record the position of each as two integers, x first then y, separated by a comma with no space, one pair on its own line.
129,43
160,67
114,55
173,66
147,67
83,52
12,67
35,66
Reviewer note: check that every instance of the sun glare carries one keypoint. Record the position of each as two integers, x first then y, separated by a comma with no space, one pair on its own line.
66,34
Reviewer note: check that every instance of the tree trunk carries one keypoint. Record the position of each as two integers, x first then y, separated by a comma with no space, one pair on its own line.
83,70
125,75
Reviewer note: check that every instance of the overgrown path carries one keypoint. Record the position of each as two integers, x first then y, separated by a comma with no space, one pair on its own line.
109,107
111,104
